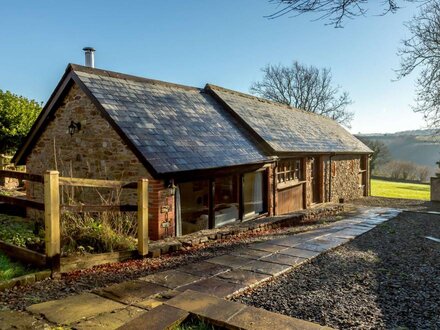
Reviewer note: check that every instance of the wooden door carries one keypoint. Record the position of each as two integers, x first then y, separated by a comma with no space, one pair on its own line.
290,199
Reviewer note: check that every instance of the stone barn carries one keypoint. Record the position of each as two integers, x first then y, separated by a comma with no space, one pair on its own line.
213,156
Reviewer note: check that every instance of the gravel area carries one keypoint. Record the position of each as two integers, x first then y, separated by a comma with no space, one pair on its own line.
79,281
398,203
388,278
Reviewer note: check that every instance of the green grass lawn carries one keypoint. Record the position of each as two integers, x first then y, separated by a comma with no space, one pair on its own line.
392,189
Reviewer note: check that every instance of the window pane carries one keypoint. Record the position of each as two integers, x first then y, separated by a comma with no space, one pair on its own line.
194,206
226,200
253,194
298,169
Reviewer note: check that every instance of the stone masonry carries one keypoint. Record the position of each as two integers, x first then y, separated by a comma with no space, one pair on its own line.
345,178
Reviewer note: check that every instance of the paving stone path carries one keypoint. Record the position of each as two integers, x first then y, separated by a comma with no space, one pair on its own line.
147,298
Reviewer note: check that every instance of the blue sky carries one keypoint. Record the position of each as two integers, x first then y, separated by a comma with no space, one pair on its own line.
194,42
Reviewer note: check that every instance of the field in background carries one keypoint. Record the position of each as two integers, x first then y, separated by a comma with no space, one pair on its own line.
418,146
392,189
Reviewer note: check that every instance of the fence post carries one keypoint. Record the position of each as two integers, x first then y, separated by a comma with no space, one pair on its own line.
142,192
52,219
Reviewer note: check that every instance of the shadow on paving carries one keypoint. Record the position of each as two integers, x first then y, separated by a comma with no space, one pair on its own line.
386,278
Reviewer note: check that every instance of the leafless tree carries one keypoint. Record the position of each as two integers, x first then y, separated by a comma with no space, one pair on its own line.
304,87
404,170
423,173
422,50
335,11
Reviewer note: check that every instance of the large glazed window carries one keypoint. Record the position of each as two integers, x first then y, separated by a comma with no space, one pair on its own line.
194,203
226,200
253,194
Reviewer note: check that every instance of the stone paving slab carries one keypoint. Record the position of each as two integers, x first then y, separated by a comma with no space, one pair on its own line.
215,286
19,320
263,267
284,259
300,253
204,269
374,222
245,277
346,236
358,230
364,225
290,241
259,319
74,308
110,320
351,233
157,300
313,247
265,246
160,318
319,247
350,222
233,315
171,278
131,292
230,261
206,305
251,254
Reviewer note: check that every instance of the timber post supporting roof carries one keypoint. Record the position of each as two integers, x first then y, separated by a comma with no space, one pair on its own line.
179,129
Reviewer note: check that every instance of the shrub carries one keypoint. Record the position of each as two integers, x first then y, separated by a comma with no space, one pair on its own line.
97,233
21,232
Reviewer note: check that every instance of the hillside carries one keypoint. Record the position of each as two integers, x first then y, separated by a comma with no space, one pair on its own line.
419,146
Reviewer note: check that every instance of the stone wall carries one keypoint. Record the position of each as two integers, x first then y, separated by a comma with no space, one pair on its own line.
344,173
435,189
98,152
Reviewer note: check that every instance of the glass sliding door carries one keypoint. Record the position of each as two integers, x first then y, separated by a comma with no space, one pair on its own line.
253,194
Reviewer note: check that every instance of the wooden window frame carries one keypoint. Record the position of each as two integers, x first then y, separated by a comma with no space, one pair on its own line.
290,171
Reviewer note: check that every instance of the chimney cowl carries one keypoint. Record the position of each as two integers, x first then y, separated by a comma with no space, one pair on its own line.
90,56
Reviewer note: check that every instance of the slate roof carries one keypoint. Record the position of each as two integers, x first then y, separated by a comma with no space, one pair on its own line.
176,128
286,129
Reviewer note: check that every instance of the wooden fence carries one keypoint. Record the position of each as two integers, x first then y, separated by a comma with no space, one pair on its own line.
52,210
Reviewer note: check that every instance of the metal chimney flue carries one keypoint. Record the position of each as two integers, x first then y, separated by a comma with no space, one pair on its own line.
90,56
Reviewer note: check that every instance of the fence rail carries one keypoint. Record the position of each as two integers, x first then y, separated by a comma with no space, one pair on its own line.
21,176
52,209
99,208
95,183
22,202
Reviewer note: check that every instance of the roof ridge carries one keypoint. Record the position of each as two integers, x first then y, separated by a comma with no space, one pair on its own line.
119,75
261,99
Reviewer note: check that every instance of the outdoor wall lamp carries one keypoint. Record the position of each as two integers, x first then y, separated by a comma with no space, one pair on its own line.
171,188
74,127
